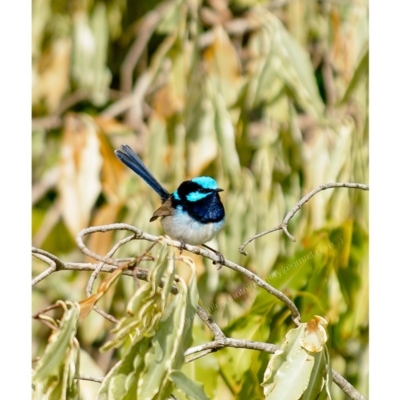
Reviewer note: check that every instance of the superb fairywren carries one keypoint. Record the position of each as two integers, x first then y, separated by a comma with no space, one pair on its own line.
192,214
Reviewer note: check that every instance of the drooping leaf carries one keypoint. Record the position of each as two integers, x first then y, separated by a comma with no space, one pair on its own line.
290,369
192,390
54,374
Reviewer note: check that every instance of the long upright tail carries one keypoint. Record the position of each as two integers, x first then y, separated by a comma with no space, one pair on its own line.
132,160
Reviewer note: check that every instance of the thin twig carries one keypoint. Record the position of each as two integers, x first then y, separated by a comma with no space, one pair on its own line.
222,341
37,315
105,315
89,287
229,342
291,213
82,377
48,271
209,321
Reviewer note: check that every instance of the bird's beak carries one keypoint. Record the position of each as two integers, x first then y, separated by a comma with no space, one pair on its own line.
219,190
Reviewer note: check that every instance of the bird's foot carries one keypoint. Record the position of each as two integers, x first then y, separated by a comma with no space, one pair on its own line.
181,246
218,254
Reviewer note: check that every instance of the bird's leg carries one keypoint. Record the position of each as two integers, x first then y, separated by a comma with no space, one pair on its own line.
181,246
220,256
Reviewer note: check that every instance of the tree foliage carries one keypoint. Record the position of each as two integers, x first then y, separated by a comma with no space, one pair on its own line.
268,97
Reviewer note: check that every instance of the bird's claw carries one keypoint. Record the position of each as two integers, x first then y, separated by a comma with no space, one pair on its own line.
181,246
220,261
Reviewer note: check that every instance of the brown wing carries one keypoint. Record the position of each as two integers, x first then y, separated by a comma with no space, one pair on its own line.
163,211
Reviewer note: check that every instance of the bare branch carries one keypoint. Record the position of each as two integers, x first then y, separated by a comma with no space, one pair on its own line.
140,273
229,342
89,287
347,387
222,341
47,272
291,213
44,318
193,249
209,321
105,315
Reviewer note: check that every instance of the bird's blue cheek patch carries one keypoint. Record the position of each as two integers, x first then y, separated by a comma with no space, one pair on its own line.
206,182
195,196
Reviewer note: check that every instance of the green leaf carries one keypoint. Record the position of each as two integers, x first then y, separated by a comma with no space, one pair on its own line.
359,76
192,390
155,335
89,54
146,306
168,344
298,367
226,137
54,376
173,15
293,377
317,381
282,61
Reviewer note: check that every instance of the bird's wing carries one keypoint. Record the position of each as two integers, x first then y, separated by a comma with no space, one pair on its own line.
164,210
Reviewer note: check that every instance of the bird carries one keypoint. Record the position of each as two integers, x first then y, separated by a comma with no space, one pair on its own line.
192,214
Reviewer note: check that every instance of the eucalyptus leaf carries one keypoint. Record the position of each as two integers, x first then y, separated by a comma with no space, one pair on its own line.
54,375
192,390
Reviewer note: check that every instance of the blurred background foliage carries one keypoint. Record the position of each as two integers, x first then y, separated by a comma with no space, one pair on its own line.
268,97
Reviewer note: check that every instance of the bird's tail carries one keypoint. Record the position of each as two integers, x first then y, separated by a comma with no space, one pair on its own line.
132,160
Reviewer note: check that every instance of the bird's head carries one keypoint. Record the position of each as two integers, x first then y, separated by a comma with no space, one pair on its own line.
197,189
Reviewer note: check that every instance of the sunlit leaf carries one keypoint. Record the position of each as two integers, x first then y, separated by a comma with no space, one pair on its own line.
54,374
223,68
290,369
79,184
89,69
191,389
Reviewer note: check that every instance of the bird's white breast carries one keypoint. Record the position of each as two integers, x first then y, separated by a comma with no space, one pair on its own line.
181,226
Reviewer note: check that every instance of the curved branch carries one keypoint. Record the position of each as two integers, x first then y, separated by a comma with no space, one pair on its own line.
93,277
140,273
138,234
48,271
291,213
